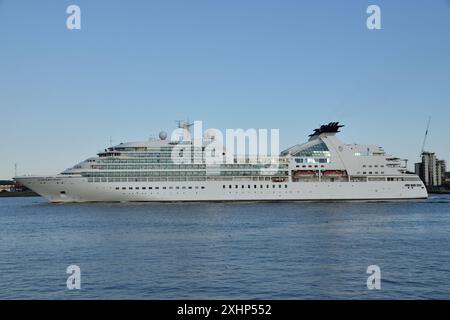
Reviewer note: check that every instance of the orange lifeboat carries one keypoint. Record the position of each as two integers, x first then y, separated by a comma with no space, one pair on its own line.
333,172
304,172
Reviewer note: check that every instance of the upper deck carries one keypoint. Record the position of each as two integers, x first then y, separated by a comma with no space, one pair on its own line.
322,158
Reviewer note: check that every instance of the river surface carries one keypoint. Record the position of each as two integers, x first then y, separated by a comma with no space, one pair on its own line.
254,250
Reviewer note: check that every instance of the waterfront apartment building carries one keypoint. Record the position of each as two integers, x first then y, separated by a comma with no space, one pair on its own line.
440,172
447,178
431,170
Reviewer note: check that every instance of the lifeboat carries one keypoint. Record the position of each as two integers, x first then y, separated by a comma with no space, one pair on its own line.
333,172
304,172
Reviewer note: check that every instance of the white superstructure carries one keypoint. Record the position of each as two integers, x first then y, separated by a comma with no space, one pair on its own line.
323,168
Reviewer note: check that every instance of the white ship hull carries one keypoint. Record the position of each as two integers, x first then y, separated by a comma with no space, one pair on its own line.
78,189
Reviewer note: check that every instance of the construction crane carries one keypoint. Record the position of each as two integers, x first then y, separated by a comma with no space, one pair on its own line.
425,137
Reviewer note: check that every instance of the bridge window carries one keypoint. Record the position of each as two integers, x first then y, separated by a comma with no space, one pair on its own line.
316,150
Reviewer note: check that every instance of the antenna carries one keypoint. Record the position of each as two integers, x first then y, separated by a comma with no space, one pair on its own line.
110,141
15,169
185,126
425,137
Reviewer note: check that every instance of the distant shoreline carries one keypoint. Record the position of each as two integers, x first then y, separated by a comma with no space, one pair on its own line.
439,190
18,194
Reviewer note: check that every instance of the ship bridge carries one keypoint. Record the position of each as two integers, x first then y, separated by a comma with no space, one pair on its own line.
316,146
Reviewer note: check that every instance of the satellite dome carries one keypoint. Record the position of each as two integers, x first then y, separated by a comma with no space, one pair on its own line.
163,135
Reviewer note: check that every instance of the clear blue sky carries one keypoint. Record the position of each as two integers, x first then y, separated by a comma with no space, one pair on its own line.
136,66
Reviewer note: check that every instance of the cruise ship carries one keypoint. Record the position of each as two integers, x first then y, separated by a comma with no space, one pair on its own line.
323,168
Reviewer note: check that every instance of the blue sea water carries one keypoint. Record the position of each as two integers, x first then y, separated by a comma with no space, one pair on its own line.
288,250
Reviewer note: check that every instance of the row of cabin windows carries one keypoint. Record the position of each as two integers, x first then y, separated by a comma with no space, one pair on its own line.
311,166
370,172
375,166
322,166
397,179
196,160
312,160
139,166
192,161
157,188
162,157
130,174
254,186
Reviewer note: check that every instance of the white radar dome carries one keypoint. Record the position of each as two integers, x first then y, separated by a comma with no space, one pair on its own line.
163,135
